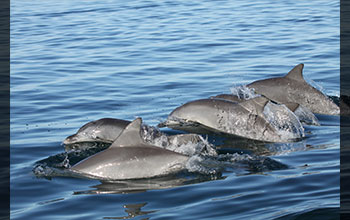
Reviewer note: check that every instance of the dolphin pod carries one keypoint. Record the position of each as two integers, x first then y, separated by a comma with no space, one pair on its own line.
274,116
130,157
229,114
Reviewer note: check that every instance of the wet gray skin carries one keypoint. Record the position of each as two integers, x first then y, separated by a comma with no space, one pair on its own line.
103,130
292,88
108,129
130,157
304,114
229,97
245,119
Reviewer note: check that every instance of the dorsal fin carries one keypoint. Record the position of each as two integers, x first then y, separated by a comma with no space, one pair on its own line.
131,135
296,73
255,104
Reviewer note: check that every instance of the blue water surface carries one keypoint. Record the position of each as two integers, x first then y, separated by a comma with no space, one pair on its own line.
77,61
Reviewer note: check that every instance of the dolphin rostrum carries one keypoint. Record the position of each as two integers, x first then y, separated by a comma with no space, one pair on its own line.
246,119
104,130
130,157
304,114
292,88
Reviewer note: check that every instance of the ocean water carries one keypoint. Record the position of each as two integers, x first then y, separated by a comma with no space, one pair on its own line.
77,61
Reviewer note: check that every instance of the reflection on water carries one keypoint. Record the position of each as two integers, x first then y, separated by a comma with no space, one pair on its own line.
247,146
143,185
133,210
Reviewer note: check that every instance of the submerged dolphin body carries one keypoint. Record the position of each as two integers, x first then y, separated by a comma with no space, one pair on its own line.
303,113
130,157
246,119
104,130
293,88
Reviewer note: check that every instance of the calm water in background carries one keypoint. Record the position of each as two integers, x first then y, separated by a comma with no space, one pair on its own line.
77,61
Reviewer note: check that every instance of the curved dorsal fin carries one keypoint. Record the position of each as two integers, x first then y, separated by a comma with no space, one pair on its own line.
296,73
131,135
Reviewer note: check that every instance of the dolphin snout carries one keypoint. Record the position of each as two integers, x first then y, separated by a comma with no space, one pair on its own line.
70,139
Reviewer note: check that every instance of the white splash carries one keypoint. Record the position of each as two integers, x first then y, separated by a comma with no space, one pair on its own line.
177,143
306,116
285,121
200,146
243,92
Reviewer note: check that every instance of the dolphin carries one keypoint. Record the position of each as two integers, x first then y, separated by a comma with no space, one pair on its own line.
245,119
103,130
304,114
292,88
106,130
130,157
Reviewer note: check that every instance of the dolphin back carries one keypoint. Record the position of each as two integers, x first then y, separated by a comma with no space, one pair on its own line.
131,163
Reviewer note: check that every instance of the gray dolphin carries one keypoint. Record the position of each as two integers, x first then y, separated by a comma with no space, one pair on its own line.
130,157
292,88
245,119
303,113
103,130
106,130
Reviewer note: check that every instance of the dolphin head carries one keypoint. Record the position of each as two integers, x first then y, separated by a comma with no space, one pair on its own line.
71,139
102,130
